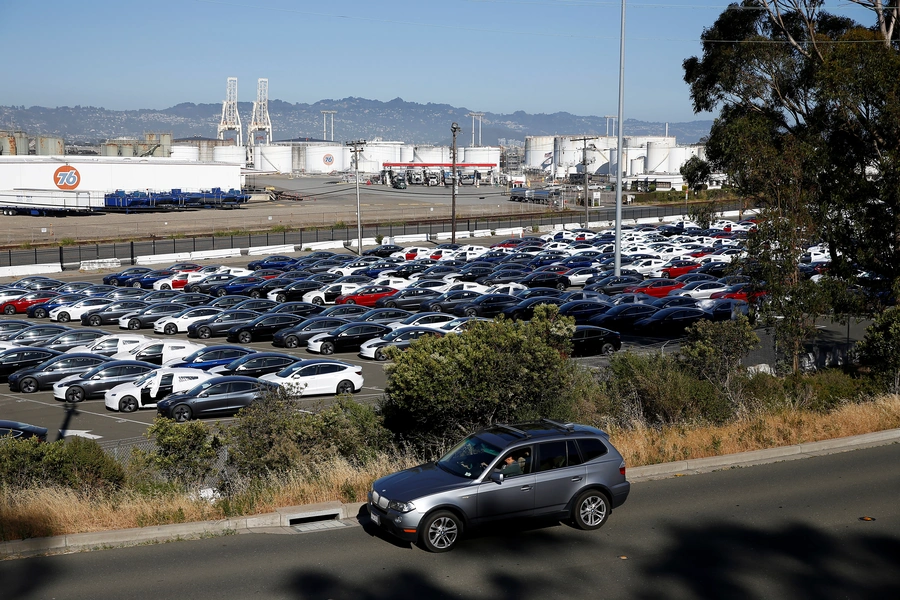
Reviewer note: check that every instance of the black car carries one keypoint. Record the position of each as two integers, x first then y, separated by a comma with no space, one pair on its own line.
227,302
214,397
302,309
149,315
122,277
9,327
298,335
538,292
193,299
105,376
613,284
344,311
42,376
127,293
36,334
383,251
401,338
259,305
486,305
382,315
408,298
261,328
163,296
346,338
111,313
220,323
262,289
256,364
447,301
670,321
524,310
667,301
204,285
407,269
297,289
21,431
13,359
583,310
546,279
71,338
621,317
589,340
503,276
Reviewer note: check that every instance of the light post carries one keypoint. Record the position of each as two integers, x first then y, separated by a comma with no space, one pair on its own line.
454,129
620,140
357,148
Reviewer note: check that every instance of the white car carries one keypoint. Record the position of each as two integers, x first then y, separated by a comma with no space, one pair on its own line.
353,266
111,344
398,283
451,286
73,312
318,376
413,252
236,271
158,351
327,293
182,279
179,322
699,290
152,387
427,319
12,293
645,266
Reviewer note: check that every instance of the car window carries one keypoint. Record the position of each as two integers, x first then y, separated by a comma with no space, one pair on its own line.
238,387
307,371
329,368
232,353
552,455
591,448
215,390
167,379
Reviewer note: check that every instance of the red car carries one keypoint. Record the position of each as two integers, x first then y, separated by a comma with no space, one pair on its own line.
507,243
679,267
366,296
267,273
654,287
21,304
739,291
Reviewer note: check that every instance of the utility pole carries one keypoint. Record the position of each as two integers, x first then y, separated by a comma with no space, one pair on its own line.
454,129
357,148
620,142
584,164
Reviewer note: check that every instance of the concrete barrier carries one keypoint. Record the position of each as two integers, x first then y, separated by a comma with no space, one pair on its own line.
416,237
446,235
510,231
482,233
280,249
330,245
104,263
152,259
22,270
224,253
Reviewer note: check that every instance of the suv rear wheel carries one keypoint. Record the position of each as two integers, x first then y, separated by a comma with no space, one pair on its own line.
590,510
440,531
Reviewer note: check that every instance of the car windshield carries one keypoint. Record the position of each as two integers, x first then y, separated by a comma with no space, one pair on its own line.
196,390
144,378
469,458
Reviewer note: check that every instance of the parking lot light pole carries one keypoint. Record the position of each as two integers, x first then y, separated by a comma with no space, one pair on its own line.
357,148
454,129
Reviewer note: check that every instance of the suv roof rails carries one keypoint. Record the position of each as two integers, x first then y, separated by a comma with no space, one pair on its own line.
568,427
513,430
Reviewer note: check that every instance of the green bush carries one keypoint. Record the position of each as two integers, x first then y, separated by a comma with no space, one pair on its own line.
880,349
185,453
826,389
77,463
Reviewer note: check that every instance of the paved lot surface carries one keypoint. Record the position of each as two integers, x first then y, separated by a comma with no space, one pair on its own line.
782,530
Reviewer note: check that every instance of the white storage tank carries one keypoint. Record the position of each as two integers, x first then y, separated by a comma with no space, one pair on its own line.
298,158
657,157
49,146
637,166
485,155
538,151
272,158
677,157
233,155
325,159
434,154
188,153
407,154
373,156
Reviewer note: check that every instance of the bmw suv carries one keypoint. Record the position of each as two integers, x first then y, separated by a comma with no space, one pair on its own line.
541,469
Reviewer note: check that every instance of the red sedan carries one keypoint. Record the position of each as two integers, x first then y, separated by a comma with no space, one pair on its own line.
21,304
654,287
740,291
679,267
366,296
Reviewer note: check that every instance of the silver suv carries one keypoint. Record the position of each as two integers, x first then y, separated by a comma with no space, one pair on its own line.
540,469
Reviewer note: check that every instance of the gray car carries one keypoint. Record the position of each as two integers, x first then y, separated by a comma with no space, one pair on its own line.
543,469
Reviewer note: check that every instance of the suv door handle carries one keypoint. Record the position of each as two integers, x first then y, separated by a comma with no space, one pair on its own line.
578,478
525,488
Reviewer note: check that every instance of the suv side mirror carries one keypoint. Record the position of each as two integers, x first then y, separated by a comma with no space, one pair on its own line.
497,478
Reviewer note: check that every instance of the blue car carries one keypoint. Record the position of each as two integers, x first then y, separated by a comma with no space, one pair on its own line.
212,356
273,262
147,280
376,269
236,286
119,279
42,310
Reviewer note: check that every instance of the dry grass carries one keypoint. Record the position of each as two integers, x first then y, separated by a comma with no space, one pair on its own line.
53,511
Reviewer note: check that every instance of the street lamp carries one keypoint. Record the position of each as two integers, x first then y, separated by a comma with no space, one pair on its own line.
454,129
357,148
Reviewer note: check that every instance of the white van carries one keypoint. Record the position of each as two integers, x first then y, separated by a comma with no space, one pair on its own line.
158,351
111,344
152,387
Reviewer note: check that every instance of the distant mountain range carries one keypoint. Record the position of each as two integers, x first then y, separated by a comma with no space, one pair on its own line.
356,118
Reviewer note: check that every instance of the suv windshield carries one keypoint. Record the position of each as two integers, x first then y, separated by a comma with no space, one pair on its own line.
469,458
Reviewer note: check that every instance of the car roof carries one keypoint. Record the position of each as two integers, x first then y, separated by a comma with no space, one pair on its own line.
507,435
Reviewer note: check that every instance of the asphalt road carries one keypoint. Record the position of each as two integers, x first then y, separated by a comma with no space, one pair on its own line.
783,530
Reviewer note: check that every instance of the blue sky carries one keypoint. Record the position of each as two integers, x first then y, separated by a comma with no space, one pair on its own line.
539,56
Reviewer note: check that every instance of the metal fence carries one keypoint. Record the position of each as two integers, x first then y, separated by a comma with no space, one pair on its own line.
69,256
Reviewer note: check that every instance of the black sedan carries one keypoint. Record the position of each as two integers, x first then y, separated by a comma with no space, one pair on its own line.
261,328
71,338
524,310
21,431
546,279
298,335
613,284
193,299
215,397
13,359
382,315
221,323
344,311
622,316
487,305
296,290
346,338
262,289
583,310
670,321
42,376
146,317
590,341
408,298
207,283
256,364
35,334
383,251
94,382
111,313
9,327
447,301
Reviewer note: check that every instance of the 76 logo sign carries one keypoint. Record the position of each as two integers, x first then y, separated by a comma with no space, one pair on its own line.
67,178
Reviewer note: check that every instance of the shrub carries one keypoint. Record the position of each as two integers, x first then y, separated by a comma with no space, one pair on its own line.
880,349
185,452
77,464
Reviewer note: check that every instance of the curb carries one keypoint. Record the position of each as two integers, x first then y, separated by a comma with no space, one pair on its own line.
284,519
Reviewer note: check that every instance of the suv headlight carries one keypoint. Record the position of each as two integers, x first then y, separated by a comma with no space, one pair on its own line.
403,507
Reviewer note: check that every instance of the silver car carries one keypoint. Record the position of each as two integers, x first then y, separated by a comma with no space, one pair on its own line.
542,469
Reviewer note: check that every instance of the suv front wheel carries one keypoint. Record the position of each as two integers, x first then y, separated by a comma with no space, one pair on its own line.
590,510
440,531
